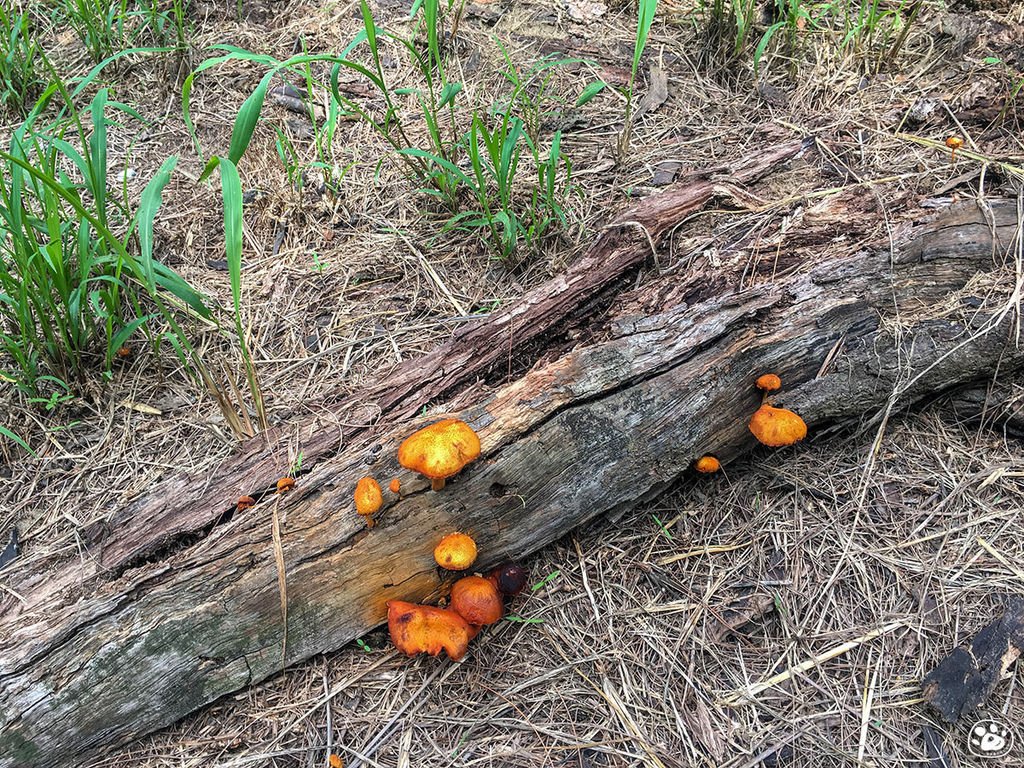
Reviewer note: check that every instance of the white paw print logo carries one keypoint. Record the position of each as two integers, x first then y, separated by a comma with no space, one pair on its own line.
990,739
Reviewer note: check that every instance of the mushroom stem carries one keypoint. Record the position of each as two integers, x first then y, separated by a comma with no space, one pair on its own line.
437,485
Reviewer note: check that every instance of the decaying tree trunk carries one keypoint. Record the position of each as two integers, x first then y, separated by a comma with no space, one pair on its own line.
176,605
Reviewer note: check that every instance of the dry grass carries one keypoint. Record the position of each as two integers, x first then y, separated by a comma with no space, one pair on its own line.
623,658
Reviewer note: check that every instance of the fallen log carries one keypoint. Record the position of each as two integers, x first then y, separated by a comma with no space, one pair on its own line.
133,637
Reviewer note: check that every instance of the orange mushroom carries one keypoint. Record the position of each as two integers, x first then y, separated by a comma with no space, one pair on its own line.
954,143
285,484
368,496
707,464
368,499
776,427
769,382
456,552
476,600
124,352
426,629
244,502
395,485
440,450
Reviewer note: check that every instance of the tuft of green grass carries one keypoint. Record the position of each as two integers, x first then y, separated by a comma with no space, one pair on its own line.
21,76
487,166
78,276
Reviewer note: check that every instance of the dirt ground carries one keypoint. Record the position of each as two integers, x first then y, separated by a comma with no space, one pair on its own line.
642,641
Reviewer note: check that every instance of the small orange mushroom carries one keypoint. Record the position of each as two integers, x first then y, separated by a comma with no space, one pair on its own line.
426,629
244,502
707,464
368,499
335,761
769,382
456,552
476,600
285,484
776,427
954,143
368,496
395,485
124,352
440,450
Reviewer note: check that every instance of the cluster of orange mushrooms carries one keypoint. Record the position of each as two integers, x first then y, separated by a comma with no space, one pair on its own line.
774,427
438,452
474,602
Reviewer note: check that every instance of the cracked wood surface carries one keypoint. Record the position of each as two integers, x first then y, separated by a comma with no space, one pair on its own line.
100,653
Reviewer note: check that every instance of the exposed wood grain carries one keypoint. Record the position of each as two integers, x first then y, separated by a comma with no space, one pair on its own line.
94,657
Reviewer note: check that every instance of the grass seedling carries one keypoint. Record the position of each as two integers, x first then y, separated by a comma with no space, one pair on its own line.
99,24
20,60
77,273
645,17
473,173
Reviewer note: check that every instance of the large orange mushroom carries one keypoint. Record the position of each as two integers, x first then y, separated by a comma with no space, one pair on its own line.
476,600
440,450
427,629
776,427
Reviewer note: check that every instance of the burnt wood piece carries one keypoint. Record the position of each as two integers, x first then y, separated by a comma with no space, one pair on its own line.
91,657
963,681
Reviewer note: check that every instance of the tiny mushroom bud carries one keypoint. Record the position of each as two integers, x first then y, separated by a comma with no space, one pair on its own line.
244,502
769,382
440,450
510,578
456,552
124,352
707,464
476,600
426,629
776,427
285,484
395,485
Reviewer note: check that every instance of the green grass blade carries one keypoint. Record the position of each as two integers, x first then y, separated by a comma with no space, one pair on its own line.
15,438
248,115
231,191
152,198
588,93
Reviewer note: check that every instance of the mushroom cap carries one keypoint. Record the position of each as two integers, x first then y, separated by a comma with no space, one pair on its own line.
476,600
244,502
954,142
456,552
427,629
285,484
707,464
395,485
769,382
440,450
509,577
777,427
368,496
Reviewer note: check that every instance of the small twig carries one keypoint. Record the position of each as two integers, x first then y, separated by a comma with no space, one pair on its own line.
747,696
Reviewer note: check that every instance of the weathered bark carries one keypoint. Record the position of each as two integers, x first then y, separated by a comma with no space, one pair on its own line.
132,638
